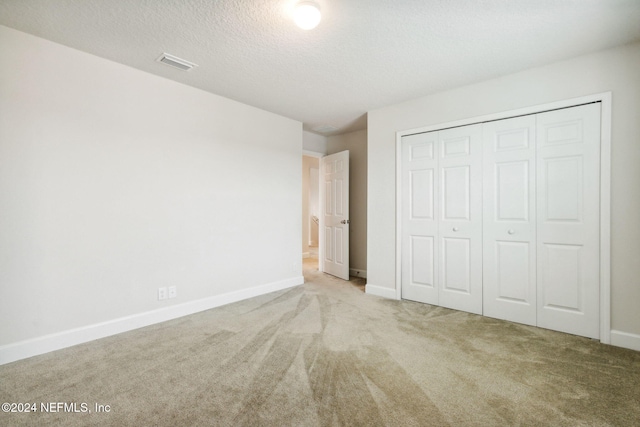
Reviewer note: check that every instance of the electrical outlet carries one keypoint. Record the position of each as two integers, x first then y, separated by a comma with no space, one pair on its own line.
173,292
162,294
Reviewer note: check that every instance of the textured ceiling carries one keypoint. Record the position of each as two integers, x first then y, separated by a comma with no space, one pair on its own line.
365,54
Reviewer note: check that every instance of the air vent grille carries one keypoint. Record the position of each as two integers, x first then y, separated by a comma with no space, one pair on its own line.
176,62
324,129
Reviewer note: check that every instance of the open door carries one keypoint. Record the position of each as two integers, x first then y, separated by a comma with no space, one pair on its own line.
334,218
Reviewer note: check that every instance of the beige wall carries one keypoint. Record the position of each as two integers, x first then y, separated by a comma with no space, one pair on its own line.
613,70
356,143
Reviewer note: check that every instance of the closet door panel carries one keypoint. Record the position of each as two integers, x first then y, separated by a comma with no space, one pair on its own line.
568,207
456,265
509,227
460,218
513,262
456,191
421,257
419,222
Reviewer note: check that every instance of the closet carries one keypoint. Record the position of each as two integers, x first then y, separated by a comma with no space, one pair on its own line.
502,218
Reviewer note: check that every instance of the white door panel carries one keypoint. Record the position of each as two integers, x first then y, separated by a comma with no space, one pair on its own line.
512,191
419,225
562,277
328,245
328,196
421,194
460,218
455,193
455,143
512,261
334,194
456,265
339,186
339,244
563,189
509,227
421,261
568,221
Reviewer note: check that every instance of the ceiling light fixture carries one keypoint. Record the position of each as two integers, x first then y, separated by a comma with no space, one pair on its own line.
306,15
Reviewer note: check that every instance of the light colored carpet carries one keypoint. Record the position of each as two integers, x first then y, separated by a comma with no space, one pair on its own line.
326,354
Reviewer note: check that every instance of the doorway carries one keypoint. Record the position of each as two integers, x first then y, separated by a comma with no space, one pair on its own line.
310,212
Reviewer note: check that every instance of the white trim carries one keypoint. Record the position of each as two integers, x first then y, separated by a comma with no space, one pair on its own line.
605,218
321,197
605,189
399,215
534,109
625,339
45,344
380,291
357,273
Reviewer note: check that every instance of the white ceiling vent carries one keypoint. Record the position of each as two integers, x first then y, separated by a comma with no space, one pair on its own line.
324,129
176,62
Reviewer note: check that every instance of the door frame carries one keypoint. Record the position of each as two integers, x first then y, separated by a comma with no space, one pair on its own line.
605,99
317,155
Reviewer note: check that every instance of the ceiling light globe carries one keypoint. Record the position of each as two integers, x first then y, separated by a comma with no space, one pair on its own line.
306,15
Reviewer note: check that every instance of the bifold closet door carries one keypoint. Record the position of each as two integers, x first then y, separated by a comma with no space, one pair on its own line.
530,251
568,219
419,225
442,218
541,220
509,219
460,218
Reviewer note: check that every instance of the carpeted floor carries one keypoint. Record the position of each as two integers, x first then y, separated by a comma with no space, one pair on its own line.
326,354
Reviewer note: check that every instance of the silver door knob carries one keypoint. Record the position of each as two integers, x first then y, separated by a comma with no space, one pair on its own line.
345,221
510,231
455,228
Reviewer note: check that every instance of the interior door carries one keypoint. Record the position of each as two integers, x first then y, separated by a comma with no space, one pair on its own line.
419,225
334,199
509,219
568,219
460,218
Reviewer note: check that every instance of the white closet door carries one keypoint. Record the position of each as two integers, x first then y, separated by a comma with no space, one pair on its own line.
460,218
509,220
419,226
568,206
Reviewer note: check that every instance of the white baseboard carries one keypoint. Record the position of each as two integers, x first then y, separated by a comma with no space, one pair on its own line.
625,339
45,344
357,273
380,291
